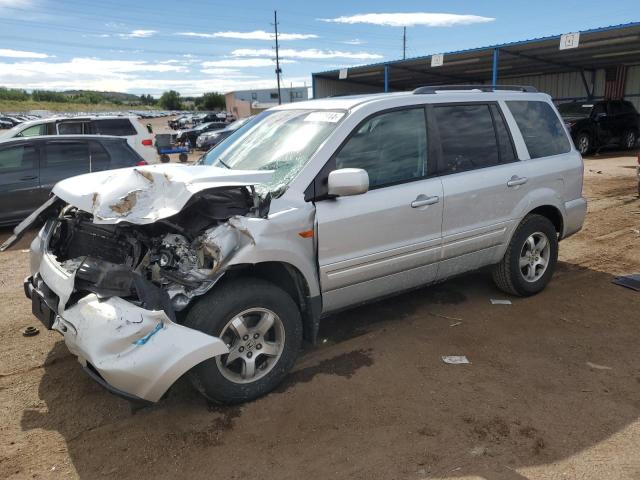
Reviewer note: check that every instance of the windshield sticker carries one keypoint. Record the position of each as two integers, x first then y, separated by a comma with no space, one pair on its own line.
331,117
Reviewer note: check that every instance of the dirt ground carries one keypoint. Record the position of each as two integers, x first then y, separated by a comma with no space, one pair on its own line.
552,391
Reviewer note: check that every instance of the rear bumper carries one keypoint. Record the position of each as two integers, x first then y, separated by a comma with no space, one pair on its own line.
575,213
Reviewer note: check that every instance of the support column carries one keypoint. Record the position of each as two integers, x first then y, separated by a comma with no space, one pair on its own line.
313,86
386,78
494,74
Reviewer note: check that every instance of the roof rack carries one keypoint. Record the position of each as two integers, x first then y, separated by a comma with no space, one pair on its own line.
484,88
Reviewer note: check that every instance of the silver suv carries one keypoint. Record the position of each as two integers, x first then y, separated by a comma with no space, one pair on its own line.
223,268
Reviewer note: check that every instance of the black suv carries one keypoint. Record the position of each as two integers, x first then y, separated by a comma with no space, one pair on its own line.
30,167
597,124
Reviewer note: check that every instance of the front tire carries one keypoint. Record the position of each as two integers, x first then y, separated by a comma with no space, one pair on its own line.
261,325
530,259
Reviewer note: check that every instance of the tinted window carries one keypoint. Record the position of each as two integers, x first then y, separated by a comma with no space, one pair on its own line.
391,147
120,127
627,107
507,153
99,159
615,108
541,128
122,155
17,158
65,153
467,138
70,128
33,131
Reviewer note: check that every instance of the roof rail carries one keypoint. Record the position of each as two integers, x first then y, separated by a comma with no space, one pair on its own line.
484,88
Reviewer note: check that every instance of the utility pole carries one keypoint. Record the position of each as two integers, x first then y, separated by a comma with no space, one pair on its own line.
278,71
404,43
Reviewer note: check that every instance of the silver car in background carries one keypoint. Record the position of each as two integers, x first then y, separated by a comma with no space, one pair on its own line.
221,269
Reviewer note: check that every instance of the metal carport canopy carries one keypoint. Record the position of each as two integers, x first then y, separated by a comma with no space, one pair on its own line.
598,48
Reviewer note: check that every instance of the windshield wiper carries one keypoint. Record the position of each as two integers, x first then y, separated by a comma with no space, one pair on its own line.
228,167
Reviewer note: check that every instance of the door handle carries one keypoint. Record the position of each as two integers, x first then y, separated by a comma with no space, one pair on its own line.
515,181
423,200
31,177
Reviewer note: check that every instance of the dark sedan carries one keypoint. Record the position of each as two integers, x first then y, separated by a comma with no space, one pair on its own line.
208,140
191,134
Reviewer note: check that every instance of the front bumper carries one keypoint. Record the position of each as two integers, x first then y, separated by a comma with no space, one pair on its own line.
134,352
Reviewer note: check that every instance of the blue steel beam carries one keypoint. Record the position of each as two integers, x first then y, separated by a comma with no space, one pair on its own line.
494,71
386,78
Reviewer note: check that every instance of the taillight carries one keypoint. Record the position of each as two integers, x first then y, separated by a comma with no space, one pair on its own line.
141,163
147,142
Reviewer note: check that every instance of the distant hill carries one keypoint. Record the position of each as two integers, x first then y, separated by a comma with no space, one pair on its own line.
113,97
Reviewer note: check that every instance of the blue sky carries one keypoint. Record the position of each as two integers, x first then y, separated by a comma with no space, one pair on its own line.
196,46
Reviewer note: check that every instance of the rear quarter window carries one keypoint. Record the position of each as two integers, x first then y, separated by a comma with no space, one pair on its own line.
120,127
541,129
122,155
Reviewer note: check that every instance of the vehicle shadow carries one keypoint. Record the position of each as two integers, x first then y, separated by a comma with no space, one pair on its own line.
375,400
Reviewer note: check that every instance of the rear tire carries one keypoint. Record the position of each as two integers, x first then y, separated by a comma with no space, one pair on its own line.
629,139
258,360
583,143
530,259
164,158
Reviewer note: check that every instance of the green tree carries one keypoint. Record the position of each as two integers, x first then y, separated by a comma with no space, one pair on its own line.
211,101
170,100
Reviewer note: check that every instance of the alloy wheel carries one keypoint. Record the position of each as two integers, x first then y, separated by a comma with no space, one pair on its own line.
255,338
534,257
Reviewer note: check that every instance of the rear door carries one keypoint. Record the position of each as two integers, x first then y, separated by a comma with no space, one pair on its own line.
63,159
19,182
387,239
483,182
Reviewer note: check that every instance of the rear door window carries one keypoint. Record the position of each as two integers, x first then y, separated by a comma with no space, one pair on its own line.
73,154
120,127
541,129
469,139
71,128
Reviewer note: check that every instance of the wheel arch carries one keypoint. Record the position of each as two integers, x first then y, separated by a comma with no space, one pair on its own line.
292,281
553,214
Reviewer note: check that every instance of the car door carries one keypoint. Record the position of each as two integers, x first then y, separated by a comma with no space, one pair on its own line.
19,182
387,239
63,159
482,180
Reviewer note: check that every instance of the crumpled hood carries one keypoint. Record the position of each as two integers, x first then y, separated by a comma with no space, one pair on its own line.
143,195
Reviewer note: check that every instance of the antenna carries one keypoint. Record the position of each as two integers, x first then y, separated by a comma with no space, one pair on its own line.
278,70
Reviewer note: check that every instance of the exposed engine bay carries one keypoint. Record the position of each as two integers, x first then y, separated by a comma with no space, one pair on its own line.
162,265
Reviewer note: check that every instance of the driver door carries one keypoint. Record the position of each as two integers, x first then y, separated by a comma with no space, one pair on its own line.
387,239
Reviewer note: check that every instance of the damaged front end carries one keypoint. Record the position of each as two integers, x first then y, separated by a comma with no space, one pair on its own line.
118,260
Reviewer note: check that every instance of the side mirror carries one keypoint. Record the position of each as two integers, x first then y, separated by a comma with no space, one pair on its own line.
348,181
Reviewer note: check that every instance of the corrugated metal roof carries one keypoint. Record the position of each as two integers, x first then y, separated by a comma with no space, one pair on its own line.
609,28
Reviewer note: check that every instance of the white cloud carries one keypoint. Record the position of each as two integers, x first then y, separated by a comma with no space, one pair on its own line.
355,41
243,62
254,35
14,3
138,34
79,68
310,53
7,52
410,19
